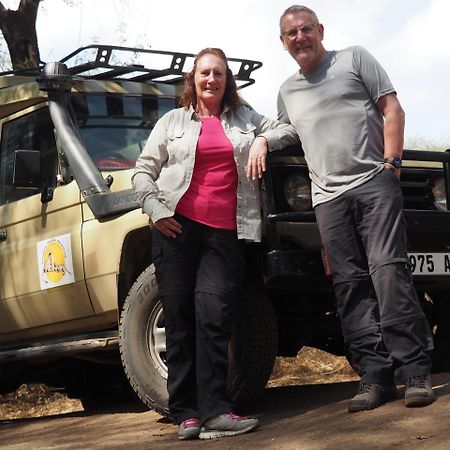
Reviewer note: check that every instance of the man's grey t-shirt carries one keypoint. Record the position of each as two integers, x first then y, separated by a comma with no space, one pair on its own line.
333,109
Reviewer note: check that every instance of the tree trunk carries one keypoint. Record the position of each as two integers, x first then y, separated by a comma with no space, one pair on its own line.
19,30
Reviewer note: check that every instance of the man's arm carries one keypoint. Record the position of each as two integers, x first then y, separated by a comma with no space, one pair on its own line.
394,126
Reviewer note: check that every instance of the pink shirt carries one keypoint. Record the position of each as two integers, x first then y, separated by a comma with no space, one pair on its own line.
211,196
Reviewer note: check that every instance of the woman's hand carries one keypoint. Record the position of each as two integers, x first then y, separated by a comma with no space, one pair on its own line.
168,226
256,164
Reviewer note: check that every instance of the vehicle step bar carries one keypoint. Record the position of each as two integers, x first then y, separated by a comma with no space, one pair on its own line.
90,342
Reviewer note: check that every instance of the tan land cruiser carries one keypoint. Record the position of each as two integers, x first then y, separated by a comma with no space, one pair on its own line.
76,276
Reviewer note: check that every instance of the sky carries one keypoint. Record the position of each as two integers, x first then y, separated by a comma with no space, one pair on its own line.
409,38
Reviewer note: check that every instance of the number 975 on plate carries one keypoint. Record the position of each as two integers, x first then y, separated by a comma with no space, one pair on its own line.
430,263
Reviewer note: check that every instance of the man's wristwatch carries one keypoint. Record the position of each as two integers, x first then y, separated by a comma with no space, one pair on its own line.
394,161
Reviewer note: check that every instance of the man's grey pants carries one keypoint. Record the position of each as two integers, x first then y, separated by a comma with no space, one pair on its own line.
364,234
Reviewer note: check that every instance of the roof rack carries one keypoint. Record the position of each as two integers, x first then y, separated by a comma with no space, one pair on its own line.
108,62
28,71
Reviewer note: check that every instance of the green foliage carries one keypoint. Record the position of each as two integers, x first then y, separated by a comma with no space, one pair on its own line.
421,143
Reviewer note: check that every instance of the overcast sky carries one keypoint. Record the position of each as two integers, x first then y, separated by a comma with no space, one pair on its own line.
409,37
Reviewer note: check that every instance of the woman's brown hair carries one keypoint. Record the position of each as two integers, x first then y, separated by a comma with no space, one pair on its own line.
230,97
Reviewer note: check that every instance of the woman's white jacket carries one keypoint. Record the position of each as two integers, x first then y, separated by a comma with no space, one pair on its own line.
164,169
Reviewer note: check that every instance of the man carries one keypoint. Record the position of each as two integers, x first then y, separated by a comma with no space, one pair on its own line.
351,125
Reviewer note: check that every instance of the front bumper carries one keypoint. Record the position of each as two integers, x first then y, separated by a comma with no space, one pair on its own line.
303,269
296,269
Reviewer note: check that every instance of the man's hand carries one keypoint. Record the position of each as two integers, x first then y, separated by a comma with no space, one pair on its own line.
256,164
168,226
394,169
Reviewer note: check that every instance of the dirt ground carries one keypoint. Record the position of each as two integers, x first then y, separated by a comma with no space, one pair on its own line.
303,407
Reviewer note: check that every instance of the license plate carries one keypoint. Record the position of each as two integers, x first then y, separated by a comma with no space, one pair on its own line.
430,263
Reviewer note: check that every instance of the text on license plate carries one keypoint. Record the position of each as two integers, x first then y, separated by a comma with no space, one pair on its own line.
430,263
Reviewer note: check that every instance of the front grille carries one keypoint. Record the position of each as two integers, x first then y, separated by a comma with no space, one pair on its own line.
417,187
416,184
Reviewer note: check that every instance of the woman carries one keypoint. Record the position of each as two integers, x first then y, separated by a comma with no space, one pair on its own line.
191,180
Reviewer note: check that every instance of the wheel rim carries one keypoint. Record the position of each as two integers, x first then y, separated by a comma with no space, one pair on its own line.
156,338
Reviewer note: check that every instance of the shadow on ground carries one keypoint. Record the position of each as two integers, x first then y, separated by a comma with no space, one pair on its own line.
292,418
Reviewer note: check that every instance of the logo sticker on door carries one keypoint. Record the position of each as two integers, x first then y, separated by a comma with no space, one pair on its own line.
55,262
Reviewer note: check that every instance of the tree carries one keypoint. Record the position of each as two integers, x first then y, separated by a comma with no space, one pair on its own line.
19,30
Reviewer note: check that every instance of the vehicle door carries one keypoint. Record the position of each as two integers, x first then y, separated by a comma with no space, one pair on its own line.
42,283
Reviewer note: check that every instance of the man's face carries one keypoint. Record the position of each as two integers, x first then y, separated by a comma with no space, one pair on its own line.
302,38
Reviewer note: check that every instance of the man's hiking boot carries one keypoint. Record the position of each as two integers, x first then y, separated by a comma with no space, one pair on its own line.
227,425
370,396
419,391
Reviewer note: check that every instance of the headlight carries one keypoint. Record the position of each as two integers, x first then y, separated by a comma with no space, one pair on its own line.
440,200
297,192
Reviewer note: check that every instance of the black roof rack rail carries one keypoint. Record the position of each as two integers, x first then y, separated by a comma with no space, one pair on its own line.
109,62
27,71
106,62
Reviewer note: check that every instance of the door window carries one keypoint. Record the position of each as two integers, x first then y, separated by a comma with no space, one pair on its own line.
33,131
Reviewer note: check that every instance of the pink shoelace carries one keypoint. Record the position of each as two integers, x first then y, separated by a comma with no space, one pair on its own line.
192,422
233,416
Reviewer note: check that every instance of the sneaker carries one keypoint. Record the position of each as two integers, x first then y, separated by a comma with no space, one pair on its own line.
189,429
419,391
370,396
227,425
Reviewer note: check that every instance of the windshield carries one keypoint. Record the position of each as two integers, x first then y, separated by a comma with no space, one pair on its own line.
115,127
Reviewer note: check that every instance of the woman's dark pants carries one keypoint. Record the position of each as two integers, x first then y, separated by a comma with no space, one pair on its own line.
199,274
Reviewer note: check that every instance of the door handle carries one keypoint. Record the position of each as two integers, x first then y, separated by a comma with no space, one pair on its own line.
2,235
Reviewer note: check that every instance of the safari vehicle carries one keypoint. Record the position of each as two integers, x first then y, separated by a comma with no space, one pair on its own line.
76,277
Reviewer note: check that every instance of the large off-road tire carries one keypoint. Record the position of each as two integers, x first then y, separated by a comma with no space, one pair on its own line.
142,344
253,346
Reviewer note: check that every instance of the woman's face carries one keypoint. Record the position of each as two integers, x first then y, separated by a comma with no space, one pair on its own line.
210,79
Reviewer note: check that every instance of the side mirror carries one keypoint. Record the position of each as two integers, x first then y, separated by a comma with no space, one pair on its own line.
27,169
